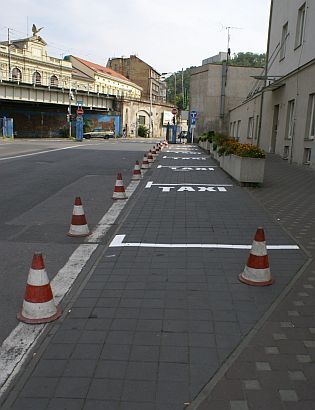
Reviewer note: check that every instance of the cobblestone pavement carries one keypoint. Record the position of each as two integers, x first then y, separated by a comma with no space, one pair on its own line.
166,327
276,370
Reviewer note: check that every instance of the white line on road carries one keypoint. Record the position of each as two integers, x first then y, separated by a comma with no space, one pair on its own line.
150,183
44,152
118,242
111,215
186,166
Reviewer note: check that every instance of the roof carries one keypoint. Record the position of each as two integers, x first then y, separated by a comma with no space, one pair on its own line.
101,69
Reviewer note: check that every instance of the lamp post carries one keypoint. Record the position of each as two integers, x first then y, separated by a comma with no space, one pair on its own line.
150,117
69,109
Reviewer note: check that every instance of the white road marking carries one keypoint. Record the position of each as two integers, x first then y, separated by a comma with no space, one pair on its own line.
185,158
118,242
111,215
150,184
44,152
183,166
187,168
15,348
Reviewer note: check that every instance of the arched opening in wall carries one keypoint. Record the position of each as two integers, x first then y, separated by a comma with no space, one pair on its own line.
37,78
54,82
16,74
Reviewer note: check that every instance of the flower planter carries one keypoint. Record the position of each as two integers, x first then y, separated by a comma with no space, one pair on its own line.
215,155
244,169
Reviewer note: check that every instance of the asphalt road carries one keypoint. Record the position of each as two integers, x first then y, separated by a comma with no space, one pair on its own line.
39,181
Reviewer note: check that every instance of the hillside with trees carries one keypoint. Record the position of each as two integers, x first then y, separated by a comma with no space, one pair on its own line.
182,80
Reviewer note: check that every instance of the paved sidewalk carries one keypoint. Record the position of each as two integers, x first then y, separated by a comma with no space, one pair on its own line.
276,370
155,323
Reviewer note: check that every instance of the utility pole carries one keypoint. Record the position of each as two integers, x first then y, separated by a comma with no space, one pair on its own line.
9,56
150,118
175,89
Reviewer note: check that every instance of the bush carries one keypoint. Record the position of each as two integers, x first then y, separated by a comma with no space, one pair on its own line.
143,131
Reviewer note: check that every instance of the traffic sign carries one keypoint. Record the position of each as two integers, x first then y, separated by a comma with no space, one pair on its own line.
174,111
193,114
80,111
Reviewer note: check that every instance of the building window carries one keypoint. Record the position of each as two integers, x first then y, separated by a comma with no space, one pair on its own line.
300,26
290,120
310,134
307,156
141,119
231,129
250,129
16,74
238,129
37,78
284,41
54,81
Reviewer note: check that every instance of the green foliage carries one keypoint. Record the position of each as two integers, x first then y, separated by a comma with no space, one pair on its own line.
248,59
143,131
181,99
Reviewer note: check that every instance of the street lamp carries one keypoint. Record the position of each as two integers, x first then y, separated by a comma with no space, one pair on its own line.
150,117
71,97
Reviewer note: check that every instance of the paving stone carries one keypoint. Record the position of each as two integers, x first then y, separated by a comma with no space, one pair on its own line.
251,385
141,391
263,366
296,375
288,395
238,405
105,389
271,350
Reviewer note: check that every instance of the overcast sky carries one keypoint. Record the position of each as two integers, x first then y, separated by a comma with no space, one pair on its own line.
167,34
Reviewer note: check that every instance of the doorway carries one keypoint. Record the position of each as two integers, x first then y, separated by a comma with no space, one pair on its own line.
274,128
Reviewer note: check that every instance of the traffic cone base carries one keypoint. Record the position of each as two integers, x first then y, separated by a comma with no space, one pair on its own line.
78,227
136,175
119,190
38,304
257,271
34,315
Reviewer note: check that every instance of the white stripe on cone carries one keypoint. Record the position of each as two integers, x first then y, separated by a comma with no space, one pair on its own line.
122,194
39,311
79,230
37,277
136,173
256,275
78,210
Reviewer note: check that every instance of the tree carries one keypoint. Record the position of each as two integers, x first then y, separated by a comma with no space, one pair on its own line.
181,99
248,59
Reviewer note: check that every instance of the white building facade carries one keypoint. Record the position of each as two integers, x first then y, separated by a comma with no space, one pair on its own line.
280,115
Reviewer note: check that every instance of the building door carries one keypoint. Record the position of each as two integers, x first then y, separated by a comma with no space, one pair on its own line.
274,129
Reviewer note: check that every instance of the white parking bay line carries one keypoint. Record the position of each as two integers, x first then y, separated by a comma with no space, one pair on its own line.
118,242
111,215
15,348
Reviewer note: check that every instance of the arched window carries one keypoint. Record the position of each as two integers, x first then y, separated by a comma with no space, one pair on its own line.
54,81
16,74
37,78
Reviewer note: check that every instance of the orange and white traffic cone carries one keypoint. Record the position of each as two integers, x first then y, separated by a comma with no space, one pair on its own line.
119,190
38,305
79,226
136,175
154,154
150,158
257,271
145,162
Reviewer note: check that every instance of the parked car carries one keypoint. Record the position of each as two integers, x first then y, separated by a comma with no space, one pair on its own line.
99,133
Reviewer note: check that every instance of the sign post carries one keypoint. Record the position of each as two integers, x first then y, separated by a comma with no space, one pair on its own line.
193,116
